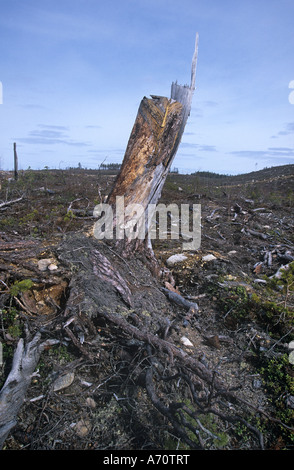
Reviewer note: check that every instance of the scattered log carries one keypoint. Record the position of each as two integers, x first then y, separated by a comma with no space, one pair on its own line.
179,300
254,233
17,245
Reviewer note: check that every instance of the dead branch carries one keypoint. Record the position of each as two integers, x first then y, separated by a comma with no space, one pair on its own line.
8,203
254,233
165,411
14,390
16,245
179,300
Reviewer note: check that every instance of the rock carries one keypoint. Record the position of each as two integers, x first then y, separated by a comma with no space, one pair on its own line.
44,263
63,381
52,267
186,342
290,401
213,341
232,252
172,260
256,383
47,263
83,427
90,402
208,257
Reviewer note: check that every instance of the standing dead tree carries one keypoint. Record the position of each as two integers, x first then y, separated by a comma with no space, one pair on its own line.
15,162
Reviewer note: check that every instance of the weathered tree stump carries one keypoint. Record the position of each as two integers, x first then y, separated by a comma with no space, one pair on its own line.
152,146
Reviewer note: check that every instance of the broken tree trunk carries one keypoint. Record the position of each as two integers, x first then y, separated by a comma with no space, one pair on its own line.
151,149
15,162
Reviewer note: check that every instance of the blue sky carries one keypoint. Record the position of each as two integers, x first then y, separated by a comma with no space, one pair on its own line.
74,72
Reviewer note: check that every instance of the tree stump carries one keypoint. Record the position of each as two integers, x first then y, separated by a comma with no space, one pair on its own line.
152,146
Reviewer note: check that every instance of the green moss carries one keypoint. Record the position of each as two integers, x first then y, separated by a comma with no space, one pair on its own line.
206,426
278,379
69,216
21,286
28,218
15,330
234,302
10,322
271,306
8,222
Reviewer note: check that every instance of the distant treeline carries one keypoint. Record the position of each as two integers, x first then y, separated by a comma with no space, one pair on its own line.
110,166
209,174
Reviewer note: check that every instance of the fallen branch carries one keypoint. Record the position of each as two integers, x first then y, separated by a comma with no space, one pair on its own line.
8,203
14,390
179,300
254,233
16,245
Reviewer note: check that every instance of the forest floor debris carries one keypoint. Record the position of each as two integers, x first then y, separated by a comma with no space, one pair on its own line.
98,388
